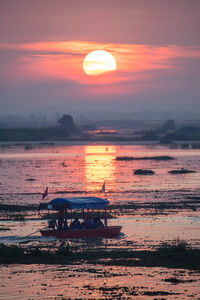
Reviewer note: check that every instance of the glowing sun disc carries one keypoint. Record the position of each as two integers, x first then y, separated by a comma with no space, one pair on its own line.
98,62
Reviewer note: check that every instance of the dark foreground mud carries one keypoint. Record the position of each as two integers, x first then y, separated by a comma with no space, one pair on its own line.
177,254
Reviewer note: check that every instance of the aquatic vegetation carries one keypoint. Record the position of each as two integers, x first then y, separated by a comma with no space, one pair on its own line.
176,254
156,158
175,280
10,253
15,212
4,228
174,245
16,217
181,171
34,254
143,172
30,179
158,293
17,208
152,202
119,292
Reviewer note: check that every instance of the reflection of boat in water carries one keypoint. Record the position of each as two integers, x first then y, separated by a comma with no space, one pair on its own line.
84,230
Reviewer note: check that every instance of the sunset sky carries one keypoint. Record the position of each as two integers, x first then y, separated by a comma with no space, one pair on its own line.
156,45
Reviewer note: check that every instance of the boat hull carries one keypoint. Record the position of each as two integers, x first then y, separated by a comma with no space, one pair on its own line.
109,232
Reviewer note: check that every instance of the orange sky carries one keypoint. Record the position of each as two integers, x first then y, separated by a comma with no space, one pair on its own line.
155,43
63,60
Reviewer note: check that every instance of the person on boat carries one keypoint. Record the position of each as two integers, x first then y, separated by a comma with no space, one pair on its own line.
75,224
60,219
93,223
60,224
84,224
99,223
52,224
65,225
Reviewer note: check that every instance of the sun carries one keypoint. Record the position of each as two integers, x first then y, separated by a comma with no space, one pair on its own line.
98,62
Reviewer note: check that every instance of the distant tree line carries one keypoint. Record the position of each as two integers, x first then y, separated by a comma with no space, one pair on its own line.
64,130
168,133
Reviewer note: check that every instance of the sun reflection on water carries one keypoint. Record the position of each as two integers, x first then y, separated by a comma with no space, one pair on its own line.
100,165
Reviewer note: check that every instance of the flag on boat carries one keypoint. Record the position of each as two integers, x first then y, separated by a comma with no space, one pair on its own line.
45,193
103,189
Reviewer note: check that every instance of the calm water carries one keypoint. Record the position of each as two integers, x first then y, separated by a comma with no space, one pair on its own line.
74,170
77,170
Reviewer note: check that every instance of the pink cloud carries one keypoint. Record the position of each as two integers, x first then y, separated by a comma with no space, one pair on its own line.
63,60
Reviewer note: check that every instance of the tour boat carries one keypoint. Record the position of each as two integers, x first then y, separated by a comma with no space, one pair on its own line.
80,203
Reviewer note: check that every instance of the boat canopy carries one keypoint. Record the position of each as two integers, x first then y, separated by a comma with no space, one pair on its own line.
75,203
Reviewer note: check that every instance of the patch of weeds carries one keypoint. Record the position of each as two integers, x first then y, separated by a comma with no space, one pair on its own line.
158,293
7,253
175,280
65,249
143,172
181,171
15,217
18,217
17,208
175,245
116,290
37,252
4,228
178,253
156,158
16,254
30,179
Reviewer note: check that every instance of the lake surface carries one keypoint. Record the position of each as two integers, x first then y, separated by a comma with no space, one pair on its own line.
74,170
80,170
96,282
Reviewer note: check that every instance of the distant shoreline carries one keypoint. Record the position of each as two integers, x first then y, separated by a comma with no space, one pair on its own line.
80,142
77,142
